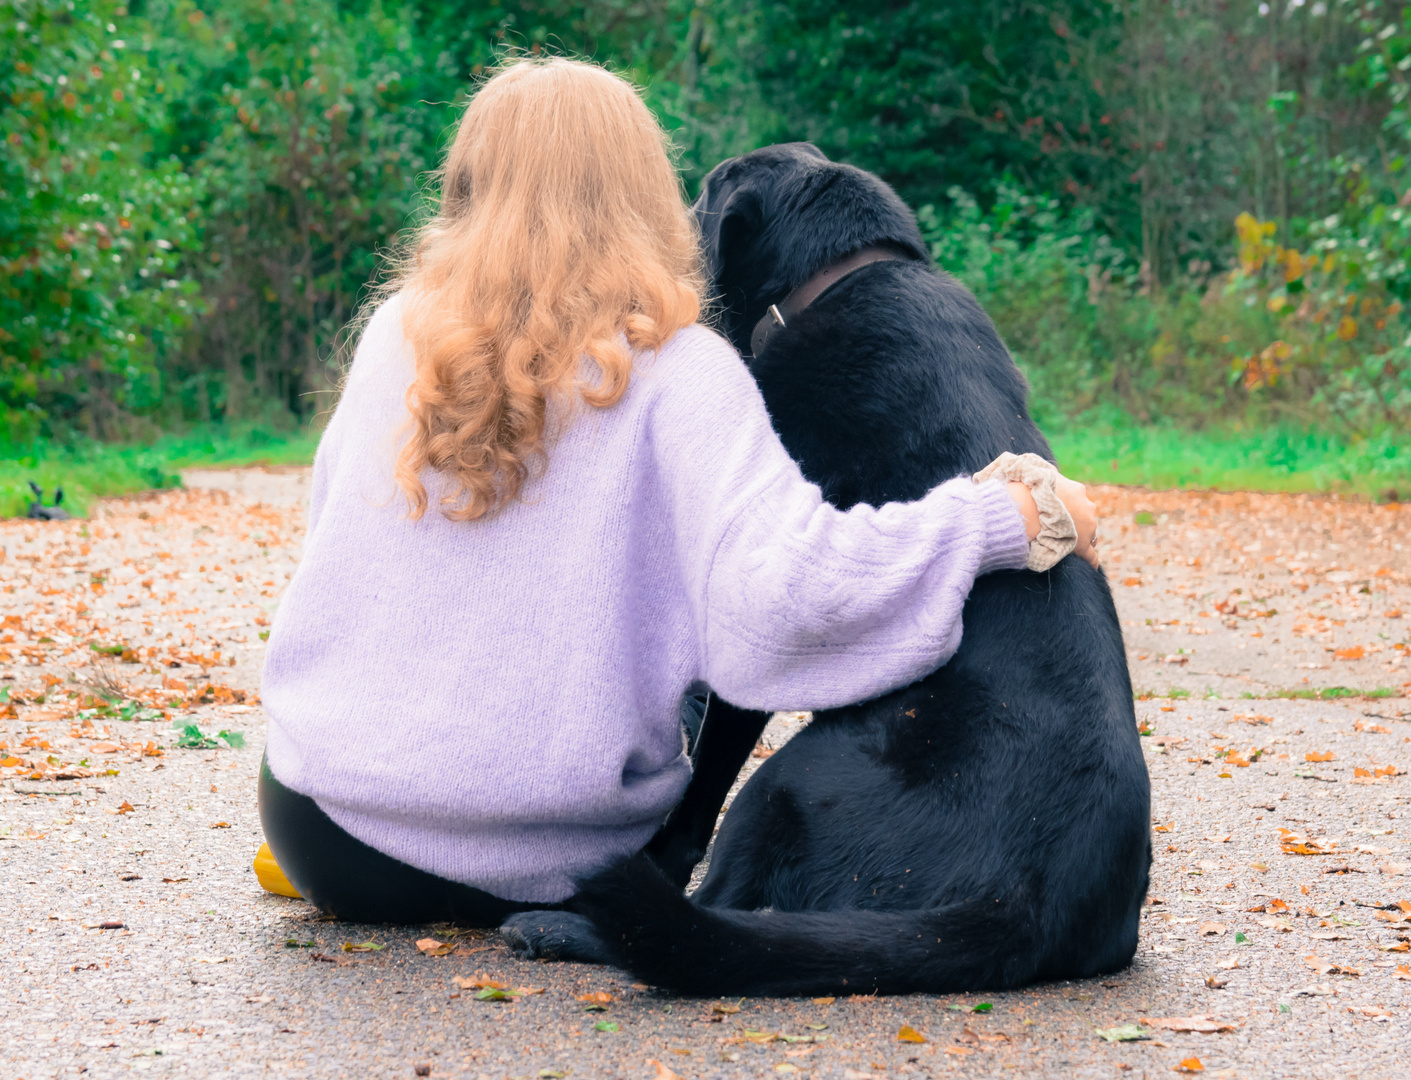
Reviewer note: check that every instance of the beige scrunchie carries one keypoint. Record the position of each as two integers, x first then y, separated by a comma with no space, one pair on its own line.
1058,536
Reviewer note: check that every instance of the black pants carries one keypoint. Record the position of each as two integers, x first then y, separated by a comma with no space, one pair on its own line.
337,872
343,876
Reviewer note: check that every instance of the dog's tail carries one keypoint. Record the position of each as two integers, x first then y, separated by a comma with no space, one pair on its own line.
663,938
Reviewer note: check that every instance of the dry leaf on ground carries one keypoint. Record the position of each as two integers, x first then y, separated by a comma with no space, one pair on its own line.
1204,1025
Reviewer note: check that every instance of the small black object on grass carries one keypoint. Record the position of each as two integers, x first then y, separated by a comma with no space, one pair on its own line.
39,512
422,1070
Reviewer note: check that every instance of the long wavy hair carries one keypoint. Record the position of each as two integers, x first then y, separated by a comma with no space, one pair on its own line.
562,234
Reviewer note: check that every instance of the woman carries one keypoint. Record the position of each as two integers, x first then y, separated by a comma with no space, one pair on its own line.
548,504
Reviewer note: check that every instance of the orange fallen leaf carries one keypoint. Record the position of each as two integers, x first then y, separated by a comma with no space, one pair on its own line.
663,1073
824,1001
1326,755
430,946
220,825
1189,1065
125,807
1356,652
909,1034
602,997
1403,971
480,982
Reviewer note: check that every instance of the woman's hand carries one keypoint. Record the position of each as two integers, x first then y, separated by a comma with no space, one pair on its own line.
1074,496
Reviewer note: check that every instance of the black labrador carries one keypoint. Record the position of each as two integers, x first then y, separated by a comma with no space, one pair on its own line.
983,828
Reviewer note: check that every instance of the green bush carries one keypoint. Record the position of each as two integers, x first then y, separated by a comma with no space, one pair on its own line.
95,295
1284,340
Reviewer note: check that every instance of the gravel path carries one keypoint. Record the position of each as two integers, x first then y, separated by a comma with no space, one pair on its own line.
1227,602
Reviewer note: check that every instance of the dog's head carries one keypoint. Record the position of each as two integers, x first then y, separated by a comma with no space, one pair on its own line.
773,218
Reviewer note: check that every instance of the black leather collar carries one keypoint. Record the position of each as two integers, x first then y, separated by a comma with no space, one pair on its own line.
776,318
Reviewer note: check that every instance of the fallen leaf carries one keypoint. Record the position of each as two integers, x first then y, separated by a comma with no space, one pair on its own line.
362,946
824,1001
479,982
975,1036
1124,1033
430,946
1324,967
1402,971
663,1073
1326,755
495,993
1205,1025
1213,929
909,1034
721,1007
1189,1065
1318,990
1356,652
602,997
1229,963
221,825
1217,982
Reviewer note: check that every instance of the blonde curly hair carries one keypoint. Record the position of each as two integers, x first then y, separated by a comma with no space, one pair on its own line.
562,234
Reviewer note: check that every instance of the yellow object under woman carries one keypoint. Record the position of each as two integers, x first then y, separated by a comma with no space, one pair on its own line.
270,876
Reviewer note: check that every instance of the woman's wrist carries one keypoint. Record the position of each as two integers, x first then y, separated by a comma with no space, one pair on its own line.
1028,509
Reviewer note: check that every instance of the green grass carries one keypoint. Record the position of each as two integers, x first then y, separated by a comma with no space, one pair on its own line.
89,470
1251,460
1303,693
1112,449
1326,693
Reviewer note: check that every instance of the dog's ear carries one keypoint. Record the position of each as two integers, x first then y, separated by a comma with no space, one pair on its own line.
727,219
38,491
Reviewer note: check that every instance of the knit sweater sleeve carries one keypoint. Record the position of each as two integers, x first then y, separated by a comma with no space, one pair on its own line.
799,604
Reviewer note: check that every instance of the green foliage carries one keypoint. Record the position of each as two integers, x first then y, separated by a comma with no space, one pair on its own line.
305,124
95,295
196,194
1284,340
193,738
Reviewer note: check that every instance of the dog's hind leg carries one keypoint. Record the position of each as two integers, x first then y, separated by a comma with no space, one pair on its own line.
727,736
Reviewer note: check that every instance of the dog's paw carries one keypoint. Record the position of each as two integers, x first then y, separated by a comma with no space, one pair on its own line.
554,935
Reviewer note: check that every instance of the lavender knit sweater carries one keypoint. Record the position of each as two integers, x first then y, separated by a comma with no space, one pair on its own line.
496,701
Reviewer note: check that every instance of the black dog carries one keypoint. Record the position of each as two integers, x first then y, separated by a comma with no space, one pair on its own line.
985,827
